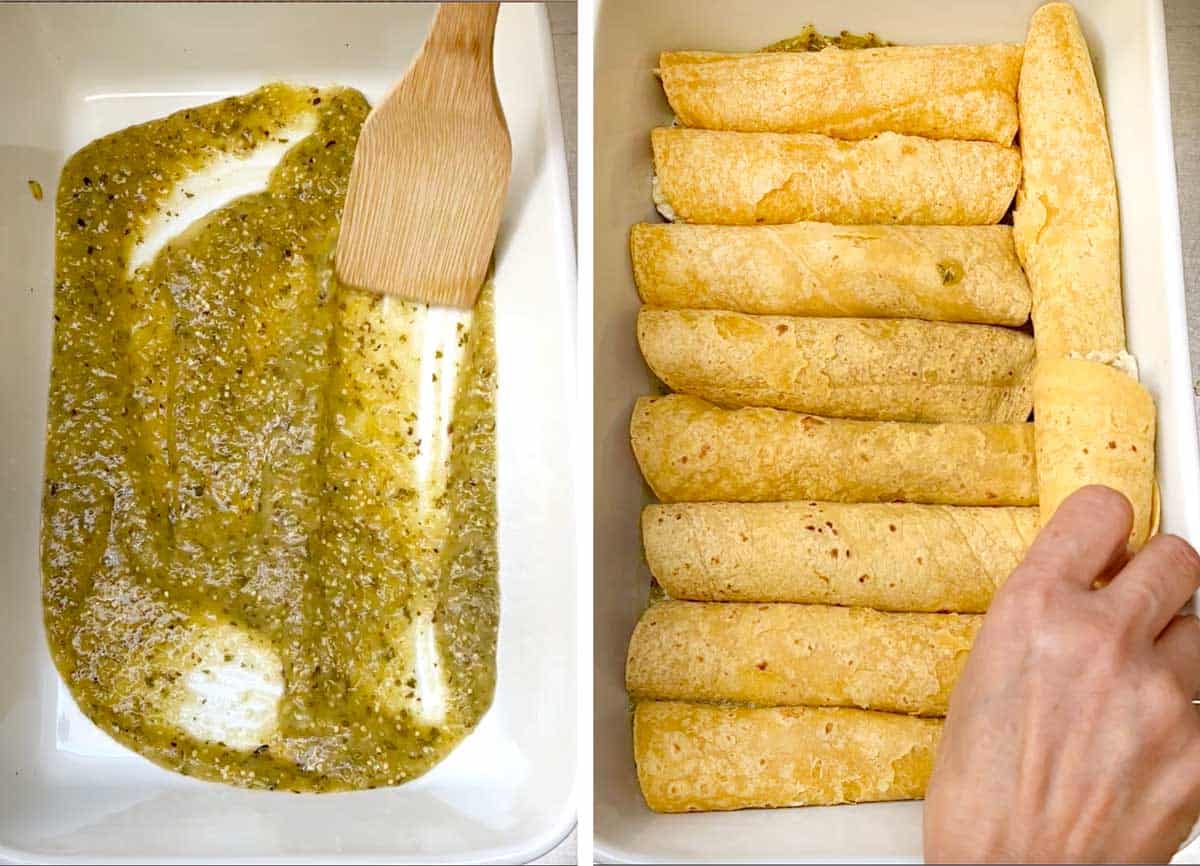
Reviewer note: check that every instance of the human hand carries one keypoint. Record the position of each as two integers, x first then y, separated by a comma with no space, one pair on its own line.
1071,735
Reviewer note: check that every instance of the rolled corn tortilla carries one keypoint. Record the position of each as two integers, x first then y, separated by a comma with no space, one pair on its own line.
751,178
936,91
1066,225
946,273
874,369
889,556
799,655
1095,425
692,451
695,758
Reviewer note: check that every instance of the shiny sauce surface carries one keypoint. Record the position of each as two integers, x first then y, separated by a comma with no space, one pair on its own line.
262,563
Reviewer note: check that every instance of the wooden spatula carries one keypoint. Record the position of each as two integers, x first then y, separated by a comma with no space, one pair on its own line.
431,170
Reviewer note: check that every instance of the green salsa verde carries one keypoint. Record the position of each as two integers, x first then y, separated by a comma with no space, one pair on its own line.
810,39
246,577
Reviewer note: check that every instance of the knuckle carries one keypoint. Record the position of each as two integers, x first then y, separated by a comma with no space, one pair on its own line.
1065,642
1096,636
1104,502
1051,646
1148,595
1088,638
1191,630
1102,627
1182,640
1179,555
1160,685
1031,595
1161,693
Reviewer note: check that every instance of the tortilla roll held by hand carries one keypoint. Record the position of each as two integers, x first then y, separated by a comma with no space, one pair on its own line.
1095,425
946,273
798,655
751,178
696,757
692,451
875,369
1066,225
936,91
889,556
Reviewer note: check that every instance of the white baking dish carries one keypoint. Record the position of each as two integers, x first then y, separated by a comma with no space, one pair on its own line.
1126,38
70,73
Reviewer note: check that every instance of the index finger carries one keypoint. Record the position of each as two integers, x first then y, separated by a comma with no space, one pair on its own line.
1085,539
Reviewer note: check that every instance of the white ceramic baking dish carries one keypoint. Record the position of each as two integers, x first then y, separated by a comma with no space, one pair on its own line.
1127,42
70,73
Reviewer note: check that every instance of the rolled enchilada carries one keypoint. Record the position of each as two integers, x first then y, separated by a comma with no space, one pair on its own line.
946,273
936,91
1066,225
1095,425
799,655
875,369
694,757
889,556
690,450
747,178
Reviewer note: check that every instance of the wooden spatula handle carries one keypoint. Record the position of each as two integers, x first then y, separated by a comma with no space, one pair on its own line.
465,27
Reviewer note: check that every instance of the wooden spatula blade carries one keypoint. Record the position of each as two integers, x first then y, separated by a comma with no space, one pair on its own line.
431,171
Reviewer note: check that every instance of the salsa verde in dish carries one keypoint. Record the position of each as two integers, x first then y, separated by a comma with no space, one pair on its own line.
264,562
